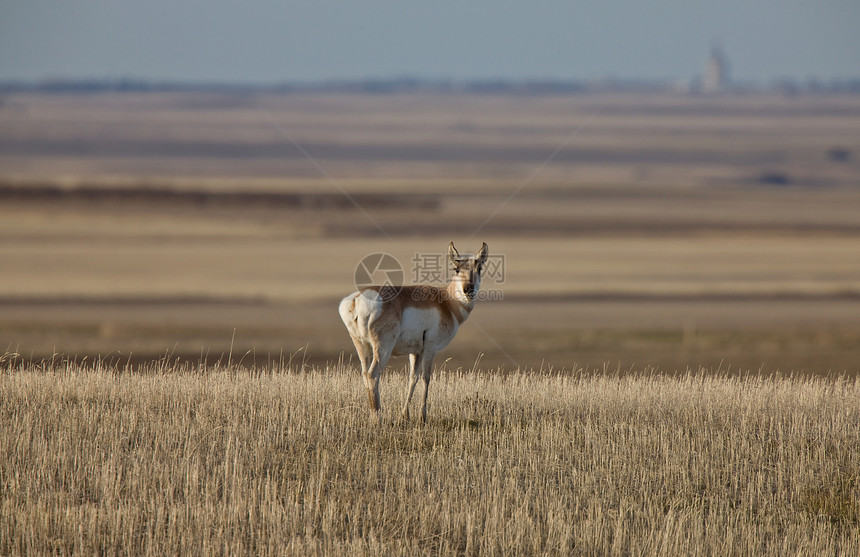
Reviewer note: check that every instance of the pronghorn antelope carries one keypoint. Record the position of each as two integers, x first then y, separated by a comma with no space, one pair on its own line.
416,320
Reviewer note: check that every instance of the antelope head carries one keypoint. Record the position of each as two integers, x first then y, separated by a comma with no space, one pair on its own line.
467,273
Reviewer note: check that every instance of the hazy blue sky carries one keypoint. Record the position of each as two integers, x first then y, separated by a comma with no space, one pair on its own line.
222,40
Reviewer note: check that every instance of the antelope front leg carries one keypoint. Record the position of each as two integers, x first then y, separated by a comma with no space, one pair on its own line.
427,370
412,380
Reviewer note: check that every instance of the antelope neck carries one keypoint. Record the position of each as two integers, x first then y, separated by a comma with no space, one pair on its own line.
461,309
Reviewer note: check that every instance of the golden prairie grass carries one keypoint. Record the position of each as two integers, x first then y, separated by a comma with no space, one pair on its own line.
162,460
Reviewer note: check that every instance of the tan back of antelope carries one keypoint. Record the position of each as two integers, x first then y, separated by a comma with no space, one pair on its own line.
415,320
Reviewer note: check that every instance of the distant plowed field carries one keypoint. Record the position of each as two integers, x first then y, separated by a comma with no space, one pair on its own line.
631,230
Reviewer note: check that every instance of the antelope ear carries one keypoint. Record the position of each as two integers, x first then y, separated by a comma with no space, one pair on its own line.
454,255
481,258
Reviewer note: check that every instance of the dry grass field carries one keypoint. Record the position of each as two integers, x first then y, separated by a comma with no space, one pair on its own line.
227,460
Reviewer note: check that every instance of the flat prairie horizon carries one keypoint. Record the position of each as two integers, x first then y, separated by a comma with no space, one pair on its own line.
664,230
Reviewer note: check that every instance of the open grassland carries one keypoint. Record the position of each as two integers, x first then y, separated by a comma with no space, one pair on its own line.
665,276
659,229
138,285
96,459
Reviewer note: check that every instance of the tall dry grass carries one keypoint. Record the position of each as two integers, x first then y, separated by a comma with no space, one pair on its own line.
95,460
